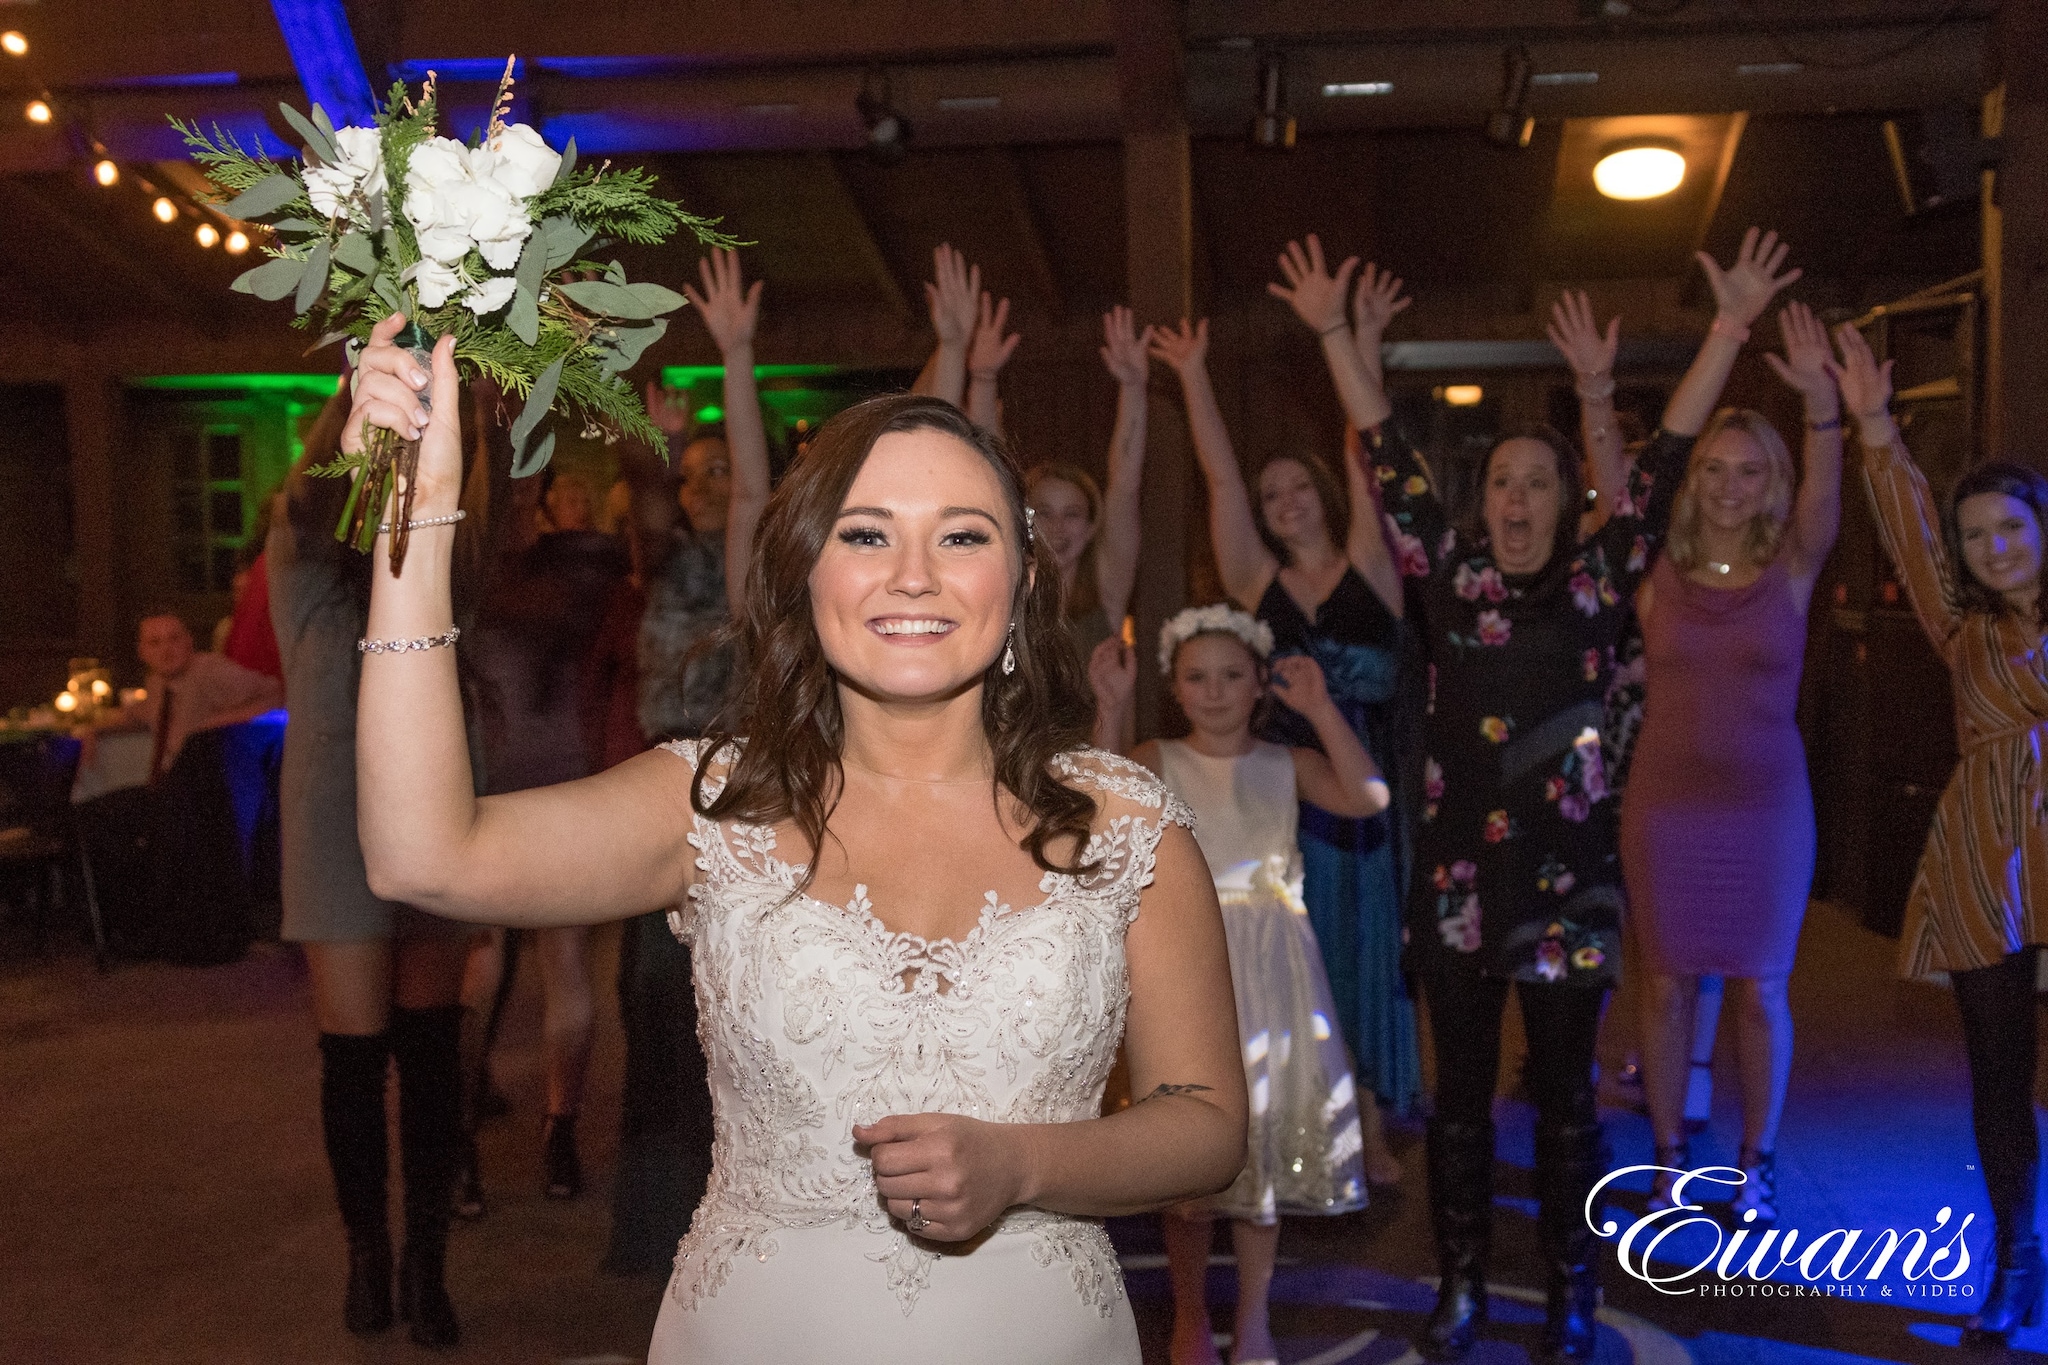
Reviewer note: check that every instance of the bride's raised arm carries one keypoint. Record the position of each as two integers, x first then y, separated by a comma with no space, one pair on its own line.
579,853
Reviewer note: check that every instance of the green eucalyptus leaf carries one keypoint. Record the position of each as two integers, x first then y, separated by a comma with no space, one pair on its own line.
377,211
273,280
565,237
631,343
535,460
616,273
324,342
313,280
298,225
656,299
538,401
387,290
355,252
606,299
265,196
532,269
523,317
320,143
568,163
324,123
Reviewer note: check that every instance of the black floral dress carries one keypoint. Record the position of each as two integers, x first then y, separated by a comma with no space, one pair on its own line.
1516,868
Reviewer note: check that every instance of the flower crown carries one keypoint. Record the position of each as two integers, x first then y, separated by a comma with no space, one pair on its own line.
1219,618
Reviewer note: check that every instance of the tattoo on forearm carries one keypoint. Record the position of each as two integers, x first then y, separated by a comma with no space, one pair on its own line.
1175,1090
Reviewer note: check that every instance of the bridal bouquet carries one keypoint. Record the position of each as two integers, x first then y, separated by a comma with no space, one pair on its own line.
490,241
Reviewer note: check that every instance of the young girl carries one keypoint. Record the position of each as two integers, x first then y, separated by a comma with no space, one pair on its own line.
1305,1142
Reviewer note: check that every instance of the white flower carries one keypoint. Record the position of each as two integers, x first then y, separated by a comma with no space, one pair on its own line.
434,281
491,295
451,209
1219,618
518,159
360,172
495,220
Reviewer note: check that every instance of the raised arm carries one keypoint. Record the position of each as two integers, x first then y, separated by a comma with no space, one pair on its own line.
1817,512
1342,779
1317,298
1908,522
596,849
1590,352
1183,1138
1242,559
1375,300
1116,539
1366,545
986,355
731,311
953,294
1741,293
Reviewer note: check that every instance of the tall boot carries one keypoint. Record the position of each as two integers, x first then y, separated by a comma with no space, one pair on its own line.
352,1068
2014,1298
426,1045
1567,1165
1460,1157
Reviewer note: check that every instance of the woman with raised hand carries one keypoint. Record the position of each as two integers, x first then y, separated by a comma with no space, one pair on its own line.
1312,565
1092,534
921,913
1518,879
987,353
731,310
1717,831
953,294
1974,573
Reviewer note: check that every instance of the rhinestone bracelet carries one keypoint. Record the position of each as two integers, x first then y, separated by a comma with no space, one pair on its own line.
409,646
384,527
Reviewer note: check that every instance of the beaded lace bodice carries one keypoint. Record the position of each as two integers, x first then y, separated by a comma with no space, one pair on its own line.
815,1017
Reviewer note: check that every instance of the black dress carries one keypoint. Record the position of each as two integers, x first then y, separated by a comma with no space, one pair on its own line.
1517,869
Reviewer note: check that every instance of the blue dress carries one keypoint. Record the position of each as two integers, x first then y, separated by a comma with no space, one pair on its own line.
1354,871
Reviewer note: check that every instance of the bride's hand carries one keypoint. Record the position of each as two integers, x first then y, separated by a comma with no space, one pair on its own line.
387,389
962,1172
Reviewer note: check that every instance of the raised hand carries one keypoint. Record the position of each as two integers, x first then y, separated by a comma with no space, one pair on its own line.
1298,681
1123,348
668,409
730,308
954,294
1805,364
388,386
1742,291
1113,674
1375,302
990,349
1315,295
1185,348
961,1172
1589,351
1866,385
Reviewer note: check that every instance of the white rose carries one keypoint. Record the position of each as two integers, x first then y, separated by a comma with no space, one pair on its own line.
437,171
519,160
493,294
494,220
434,281
360,172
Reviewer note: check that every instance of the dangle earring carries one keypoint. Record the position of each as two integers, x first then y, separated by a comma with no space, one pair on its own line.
1010,651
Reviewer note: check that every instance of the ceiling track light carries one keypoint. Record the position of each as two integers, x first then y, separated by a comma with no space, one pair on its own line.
14,43
1272,125
1510,124
888,130
38,111
106,172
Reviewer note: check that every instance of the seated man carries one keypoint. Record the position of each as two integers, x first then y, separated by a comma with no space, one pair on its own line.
186,692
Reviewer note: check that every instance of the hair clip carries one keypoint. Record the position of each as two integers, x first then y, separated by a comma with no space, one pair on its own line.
1030,524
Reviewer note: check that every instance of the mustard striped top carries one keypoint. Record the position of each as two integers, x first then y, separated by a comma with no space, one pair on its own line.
1981,891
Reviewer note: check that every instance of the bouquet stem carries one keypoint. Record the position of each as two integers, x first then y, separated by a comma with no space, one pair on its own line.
390,472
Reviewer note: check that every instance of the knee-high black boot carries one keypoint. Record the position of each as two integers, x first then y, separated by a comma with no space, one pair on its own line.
1460,1156
1567,1165
352,1067
426,1044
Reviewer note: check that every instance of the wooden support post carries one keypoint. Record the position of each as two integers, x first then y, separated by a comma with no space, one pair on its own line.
2016,237
89,423
1159,212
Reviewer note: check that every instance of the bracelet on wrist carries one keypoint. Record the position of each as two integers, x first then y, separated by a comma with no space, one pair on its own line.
1831,424
1598,392
413,646
1723,325
1334,327
384,528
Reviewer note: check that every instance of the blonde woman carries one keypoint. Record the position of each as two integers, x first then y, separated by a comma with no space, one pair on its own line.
1717,832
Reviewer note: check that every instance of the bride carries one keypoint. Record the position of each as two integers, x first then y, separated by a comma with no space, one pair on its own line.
921,915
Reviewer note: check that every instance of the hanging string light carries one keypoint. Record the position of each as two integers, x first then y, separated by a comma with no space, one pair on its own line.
13,43
207,236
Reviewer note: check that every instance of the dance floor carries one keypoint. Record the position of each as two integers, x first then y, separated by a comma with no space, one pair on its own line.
167,1200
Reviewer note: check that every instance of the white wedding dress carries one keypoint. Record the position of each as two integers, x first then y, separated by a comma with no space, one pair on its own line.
814,1018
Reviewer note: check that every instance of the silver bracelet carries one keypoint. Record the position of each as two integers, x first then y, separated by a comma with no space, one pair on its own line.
384,527
367,646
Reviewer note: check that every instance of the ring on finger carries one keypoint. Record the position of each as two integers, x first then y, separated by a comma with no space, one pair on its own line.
917,1222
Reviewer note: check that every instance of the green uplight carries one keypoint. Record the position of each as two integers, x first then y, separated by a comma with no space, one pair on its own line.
683,376
325,385
711,412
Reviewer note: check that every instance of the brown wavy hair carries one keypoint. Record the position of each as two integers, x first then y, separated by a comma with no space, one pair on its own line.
1571,493
1766,531
1083,594
2017,481
790,695
1330,493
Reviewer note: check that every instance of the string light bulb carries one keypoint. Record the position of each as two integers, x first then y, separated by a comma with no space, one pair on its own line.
207,235
14,43
238,242
165,210
106,172
38,111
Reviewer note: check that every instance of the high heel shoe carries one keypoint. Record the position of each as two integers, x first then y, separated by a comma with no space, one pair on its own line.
1759,1192
423,1299
366,1309
2014,1300
558,1157
1677,1156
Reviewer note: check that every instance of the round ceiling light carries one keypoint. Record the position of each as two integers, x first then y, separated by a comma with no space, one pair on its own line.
38,111
14,42
106,172
238,242
165,211
207,235
1639,173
